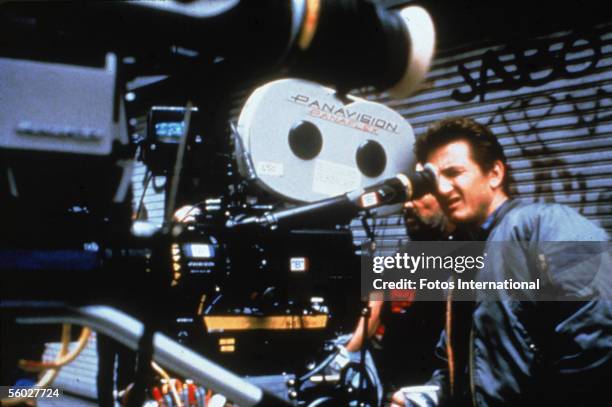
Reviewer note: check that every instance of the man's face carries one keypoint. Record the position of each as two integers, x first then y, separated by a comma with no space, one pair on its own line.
464,191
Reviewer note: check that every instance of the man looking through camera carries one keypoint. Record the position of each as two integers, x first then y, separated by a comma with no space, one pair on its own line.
506,352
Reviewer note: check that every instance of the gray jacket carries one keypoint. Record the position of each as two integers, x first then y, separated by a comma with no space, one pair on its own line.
510,351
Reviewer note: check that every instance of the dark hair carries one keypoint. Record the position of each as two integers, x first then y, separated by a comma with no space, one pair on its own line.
485,147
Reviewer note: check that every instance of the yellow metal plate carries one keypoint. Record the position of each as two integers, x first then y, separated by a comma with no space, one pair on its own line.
279,322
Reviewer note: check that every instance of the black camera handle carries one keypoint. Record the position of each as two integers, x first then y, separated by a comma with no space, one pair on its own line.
366,311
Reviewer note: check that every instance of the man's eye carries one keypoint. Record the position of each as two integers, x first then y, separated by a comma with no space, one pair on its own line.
452,172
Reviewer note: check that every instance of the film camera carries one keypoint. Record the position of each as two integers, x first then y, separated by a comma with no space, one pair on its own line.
275,192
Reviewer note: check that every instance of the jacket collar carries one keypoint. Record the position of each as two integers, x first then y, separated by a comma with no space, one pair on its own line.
482,232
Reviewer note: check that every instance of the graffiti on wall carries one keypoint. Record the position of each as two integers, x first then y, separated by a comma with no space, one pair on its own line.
532,63
545,122
592,115
548,169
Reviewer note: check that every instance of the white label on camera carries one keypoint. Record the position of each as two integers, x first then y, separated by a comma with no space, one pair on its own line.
201,251
334,179
368,200
270,168
297,264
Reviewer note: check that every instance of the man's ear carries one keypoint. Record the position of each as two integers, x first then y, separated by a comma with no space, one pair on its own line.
497,174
